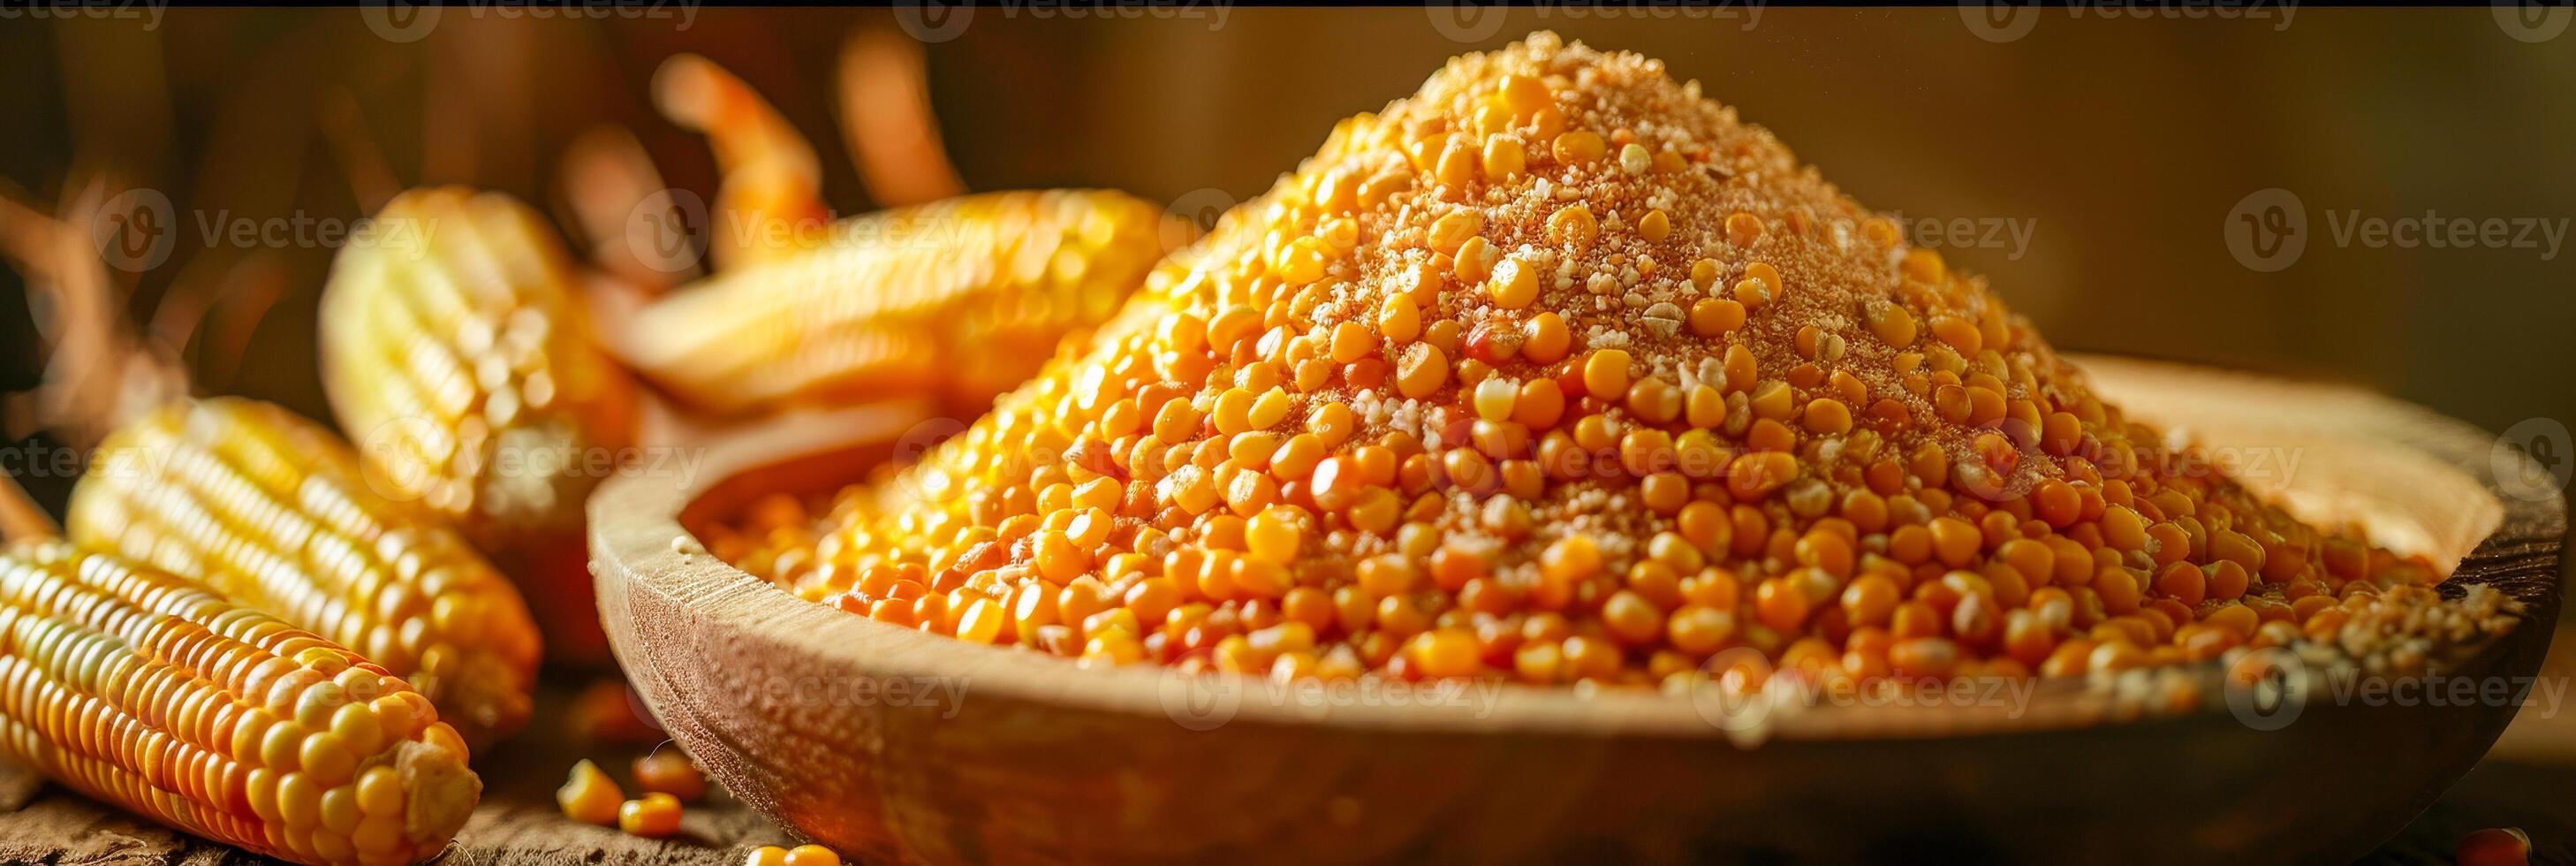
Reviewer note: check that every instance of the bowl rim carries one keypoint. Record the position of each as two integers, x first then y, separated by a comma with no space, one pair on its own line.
639,536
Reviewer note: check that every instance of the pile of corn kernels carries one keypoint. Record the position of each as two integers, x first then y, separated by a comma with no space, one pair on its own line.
1557,372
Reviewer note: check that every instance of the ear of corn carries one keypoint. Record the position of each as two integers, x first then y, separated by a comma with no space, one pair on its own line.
158,695
960,299
456,353
272,510
458,336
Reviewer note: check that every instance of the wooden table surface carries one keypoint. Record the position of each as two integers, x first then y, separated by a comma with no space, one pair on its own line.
2527,781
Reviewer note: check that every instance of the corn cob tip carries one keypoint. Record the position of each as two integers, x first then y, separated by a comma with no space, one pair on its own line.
444,791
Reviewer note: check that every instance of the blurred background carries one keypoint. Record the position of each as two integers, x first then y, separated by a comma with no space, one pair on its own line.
2092,166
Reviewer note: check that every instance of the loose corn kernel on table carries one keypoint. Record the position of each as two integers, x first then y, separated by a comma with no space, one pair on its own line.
2520,784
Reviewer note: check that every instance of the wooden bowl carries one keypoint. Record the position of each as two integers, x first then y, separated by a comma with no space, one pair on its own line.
896,745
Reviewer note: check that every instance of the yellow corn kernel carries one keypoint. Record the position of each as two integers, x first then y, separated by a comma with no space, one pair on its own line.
1503,159
670,771
811,855
1515,284
589,796
651,816
1581,145
1655,226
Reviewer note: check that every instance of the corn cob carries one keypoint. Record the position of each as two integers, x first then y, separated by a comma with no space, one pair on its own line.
961,299
151,692
272,510
456,351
